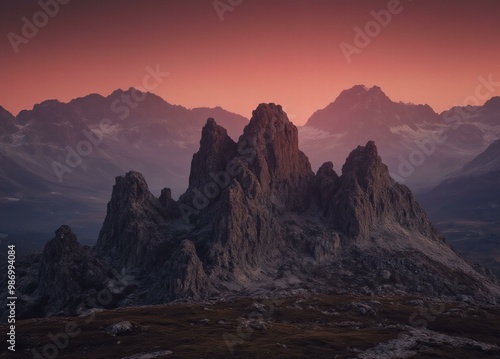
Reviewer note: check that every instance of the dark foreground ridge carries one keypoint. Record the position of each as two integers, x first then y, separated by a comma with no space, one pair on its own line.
255,221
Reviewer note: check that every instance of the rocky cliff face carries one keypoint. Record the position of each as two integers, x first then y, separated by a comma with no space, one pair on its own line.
268,176
216,149
67,271
282,170
60,279
185,275
368,197
7,126
134,224
255,218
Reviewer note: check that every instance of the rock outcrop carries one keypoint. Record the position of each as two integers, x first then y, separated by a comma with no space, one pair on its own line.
185,275
7,125
368,197
134,225
283,171
255,218
216,149
66,275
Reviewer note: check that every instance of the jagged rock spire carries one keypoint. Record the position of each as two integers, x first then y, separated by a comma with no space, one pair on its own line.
216,149
135,219
66,272
368,198
270,143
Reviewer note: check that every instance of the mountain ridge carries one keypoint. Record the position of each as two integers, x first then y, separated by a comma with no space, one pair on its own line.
466,208
274,227
420,146
65,156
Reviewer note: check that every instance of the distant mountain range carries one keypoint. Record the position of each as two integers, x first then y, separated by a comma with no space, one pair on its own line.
60,159
466,208
440,156
420,147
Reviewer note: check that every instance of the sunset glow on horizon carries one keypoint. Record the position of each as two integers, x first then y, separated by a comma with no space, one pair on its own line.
287,52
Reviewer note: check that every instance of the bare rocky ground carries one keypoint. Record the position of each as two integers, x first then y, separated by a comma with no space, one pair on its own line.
297,326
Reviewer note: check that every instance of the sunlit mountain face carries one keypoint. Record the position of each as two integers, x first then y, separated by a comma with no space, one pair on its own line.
250,179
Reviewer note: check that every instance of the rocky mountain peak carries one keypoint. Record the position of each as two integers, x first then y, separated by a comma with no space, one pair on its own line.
485,162
185,275
271,147
4,114
66,271
364,166
269,124
134,219
216,149
170,207
368,198
128,92
326,182
368,113
362,89
51,122
47,104
265,116
64,243
7,125
326,171
493,104
360,94
131,188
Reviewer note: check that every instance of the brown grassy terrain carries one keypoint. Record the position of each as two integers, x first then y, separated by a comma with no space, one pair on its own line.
303,326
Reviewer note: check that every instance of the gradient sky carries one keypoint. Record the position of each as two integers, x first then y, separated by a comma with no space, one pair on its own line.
283,51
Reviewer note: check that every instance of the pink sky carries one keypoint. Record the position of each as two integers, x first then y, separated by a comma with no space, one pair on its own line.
286,52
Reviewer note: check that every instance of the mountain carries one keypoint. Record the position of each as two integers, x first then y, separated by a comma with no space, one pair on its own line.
486,162
420,146
361,108
7,126
60,159
466,207
255,220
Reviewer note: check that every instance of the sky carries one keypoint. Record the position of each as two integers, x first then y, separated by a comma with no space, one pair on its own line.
239,53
